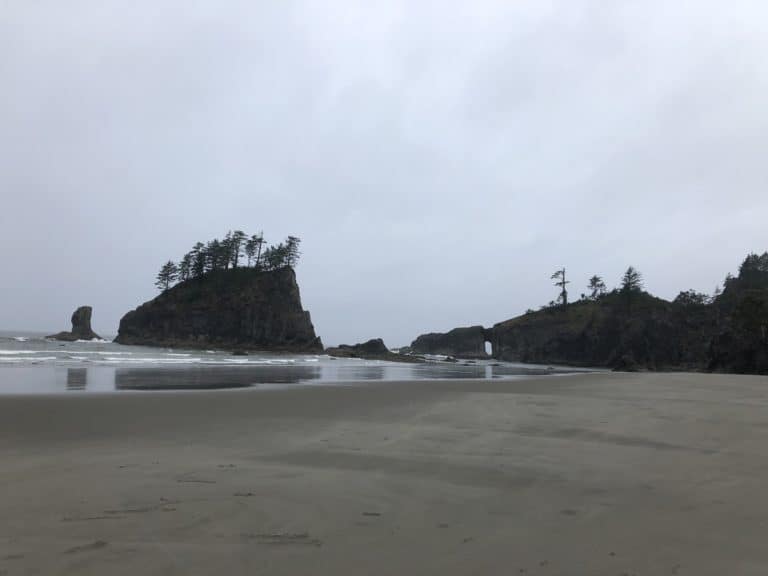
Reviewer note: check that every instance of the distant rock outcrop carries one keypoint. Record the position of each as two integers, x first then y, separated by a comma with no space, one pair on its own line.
459,342
373,349
239,308
81,327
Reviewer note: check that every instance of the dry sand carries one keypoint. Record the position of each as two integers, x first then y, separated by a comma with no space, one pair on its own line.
597,474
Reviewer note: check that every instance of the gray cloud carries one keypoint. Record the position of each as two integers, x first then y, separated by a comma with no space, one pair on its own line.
439,160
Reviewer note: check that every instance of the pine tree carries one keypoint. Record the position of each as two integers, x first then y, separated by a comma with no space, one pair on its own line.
259,242
596,287
292,253
562,283
199,259
632,281
167,275
185,266
236,246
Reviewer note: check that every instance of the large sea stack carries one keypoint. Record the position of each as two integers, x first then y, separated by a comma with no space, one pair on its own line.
240,308
81,327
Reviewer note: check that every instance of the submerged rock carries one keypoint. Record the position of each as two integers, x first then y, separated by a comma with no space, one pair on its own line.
81,327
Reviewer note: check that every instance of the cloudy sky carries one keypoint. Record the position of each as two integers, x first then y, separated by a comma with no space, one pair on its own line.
438,159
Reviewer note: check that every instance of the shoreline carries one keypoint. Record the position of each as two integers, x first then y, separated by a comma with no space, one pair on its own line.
598,473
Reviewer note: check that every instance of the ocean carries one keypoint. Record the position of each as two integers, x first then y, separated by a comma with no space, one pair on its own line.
32,364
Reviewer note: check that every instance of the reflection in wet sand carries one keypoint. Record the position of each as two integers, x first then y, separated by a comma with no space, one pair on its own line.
77,378
97,377
206,378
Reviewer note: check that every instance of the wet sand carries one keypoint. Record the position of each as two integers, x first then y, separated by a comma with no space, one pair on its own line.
597,474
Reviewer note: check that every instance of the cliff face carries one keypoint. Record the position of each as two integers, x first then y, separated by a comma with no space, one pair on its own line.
646,332
236,308
459,342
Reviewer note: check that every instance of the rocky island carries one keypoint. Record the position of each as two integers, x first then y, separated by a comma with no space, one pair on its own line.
373,349
81,327
220,304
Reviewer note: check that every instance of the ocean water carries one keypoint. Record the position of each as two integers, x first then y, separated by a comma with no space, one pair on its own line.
32,364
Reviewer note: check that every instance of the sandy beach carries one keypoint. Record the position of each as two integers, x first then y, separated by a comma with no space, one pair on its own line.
597,474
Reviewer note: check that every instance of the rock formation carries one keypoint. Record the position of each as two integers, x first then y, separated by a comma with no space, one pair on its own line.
81,327
635,330
459,342
653,334
374,349
240,308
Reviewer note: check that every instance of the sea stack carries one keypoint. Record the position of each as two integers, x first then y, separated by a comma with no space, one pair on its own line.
240,308
81,327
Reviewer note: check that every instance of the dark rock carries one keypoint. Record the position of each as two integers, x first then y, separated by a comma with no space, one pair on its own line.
238,309
373,349
81,327
626,364
654,333
375,346
459,342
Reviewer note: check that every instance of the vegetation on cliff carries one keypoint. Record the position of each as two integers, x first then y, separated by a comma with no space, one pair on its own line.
228,253
628,327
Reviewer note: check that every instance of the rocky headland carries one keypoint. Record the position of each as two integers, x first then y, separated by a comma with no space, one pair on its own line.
634,330
81,327
237,308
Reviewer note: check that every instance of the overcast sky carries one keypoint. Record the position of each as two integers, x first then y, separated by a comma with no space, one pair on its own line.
438,159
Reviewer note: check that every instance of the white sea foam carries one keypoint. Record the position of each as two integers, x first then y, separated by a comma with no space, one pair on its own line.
93,341
117,360
16,352
20,338
26,359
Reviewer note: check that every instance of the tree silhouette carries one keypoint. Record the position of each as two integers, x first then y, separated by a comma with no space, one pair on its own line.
237,241
223,254
167,275
631,285
561,282
199,258
185,267
258,241
596,287
632,281
292,253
